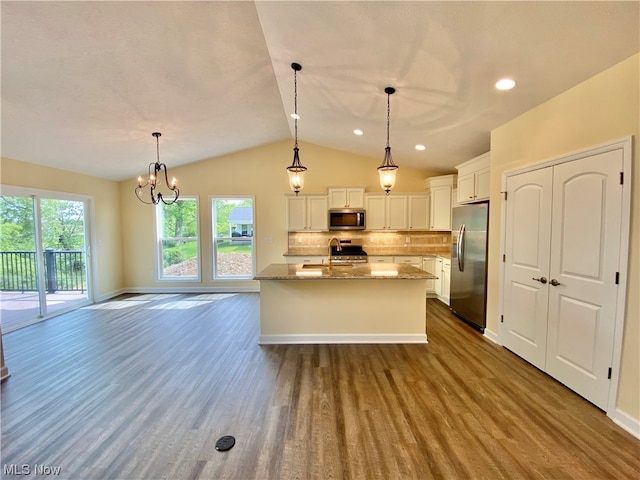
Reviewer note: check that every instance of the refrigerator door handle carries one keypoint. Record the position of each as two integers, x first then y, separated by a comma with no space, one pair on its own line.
460,247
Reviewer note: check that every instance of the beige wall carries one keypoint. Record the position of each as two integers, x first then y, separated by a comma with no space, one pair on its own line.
106,204
603,108
260,172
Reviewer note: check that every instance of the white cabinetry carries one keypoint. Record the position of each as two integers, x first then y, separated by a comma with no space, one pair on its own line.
439,190
313,259
386,212
429,265
307,213
379,259
409,260
346,197
443,283
419,212
473,179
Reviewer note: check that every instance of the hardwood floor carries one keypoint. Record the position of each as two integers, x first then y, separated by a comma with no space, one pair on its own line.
142,387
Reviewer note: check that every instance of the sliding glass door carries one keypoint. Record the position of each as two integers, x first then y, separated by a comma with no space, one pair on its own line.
43,256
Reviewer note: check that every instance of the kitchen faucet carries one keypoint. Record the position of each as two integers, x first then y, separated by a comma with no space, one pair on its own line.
338,248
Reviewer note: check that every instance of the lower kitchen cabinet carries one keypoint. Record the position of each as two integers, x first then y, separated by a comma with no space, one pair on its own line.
429,265
443,283
306,259
379,259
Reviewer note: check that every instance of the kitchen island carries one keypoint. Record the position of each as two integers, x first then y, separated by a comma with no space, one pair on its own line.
359,303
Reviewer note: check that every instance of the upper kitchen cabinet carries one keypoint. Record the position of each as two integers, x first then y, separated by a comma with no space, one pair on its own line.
440,190
419,212
307,213
346,197
473,179
386,212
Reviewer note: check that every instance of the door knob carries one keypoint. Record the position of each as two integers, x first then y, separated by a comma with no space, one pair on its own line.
555,282
541,279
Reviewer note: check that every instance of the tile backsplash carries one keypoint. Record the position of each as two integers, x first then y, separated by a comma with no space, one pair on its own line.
375,243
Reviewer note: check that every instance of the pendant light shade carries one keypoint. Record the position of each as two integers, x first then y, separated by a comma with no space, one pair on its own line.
156,174
296,170
387,170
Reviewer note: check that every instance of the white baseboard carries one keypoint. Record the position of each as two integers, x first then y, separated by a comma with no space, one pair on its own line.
491,335
159,290
626,422
109,295
339,338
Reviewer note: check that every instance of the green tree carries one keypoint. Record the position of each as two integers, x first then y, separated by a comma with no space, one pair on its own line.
16,224
180,219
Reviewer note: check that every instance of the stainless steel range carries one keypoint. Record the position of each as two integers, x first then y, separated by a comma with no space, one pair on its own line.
348,252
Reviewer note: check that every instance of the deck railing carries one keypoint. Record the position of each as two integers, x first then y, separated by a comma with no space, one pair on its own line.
64,271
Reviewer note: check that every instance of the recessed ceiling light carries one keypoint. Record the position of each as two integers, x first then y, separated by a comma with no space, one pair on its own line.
358,131
505,84
296,116
420,147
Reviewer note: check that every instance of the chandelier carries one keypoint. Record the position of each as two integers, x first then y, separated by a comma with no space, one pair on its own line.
296,170
387,170
157,171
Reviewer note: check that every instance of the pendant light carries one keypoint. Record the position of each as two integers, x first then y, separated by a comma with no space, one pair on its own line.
157,170
296,170
387,170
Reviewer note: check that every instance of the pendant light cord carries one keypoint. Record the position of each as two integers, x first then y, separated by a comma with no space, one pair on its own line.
388,115
295,105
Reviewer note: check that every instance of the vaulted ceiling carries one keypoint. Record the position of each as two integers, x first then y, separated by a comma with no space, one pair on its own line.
84,84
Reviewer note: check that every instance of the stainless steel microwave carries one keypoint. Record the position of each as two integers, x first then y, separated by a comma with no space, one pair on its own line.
347,219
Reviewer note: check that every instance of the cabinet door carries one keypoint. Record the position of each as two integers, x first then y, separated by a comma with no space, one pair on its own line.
438,281
355,197
441,209
466,188
446,279
419,212
376,208
318,216
296,213
337,198
482,179
397,212
429,265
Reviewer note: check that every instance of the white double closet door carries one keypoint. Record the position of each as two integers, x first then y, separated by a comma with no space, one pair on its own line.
562,249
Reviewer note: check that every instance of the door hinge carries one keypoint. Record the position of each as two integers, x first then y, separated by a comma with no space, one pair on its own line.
501,318
609,374
617,278
504,258
621,178
505,195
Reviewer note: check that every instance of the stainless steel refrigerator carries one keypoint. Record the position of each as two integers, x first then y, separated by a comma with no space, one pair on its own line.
469,263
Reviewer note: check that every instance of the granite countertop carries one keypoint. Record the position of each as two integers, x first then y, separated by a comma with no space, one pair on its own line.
357,271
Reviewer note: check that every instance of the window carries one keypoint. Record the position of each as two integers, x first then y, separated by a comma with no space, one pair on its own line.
233,241
177,233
